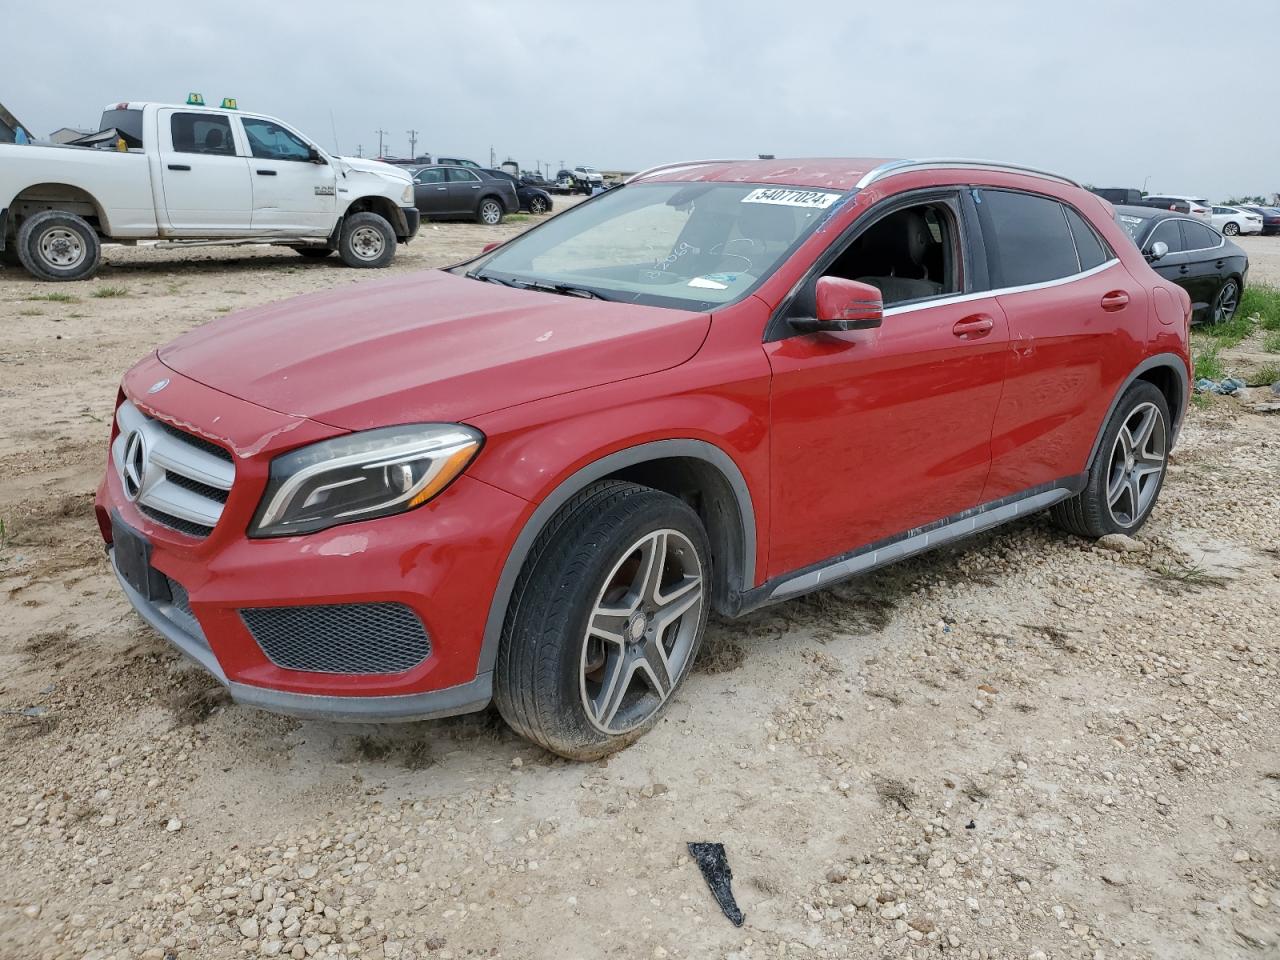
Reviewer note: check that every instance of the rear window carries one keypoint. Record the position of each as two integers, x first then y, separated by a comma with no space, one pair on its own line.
128,122
1196,236
1089,248
1032,242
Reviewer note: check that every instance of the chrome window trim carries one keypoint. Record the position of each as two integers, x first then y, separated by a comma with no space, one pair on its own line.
894,167
1222,241
999,291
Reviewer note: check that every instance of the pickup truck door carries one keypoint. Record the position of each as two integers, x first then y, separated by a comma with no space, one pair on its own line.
205,184
294,186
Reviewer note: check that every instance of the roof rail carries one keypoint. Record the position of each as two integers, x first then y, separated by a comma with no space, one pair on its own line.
946,163
668,167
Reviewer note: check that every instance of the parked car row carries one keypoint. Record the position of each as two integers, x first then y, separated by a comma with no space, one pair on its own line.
1230,220
456,192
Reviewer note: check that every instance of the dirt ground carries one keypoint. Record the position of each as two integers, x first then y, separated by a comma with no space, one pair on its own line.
1028,746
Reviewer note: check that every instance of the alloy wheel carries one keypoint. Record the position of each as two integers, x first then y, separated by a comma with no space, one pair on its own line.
538,205
61,248
1137,464
1228,300
641,631
490,212
1231,229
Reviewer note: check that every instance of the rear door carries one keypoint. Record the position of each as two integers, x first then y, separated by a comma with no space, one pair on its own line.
431,191
1203,250
205,181
1077,323
291,193
464,190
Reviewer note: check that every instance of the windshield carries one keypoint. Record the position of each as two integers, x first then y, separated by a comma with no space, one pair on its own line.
1134,226
687,245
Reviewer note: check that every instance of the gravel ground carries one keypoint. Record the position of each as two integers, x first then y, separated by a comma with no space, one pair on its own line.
1030,746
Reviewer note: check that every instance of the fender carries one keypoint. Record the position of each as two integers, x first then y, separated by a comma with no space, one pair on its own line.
1171,360
741,574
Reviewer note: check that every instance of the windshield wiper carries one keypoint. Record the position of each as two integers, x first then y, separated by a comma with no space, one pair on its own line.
477,275
564,289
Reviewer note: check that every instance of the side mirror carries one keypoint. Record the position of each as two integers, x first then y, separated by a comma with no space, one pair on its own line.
843,305
1159,250
491,245
314,155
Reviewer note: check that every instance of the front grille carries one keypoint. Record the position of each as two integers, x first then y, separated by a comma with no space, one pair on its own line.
175,478
340,638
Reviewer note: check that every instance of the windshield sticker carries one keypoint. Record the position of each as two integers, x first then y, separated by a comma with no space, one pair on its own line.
788,197
714,281
1130,219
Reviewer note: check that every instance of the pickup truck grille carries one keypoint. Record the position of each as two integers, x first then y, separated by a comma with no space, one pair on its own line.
174,477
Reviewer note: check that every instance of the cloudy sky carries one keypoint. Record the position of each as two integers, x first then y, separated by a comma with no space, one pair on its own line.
1179,94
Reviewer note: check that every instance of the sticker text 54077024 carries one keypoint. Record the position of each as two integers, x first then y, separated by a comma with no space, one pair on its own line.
790,197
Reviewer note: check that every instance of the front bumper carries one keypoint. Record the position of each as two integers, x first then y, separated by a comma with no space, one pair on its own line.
442,561
413,222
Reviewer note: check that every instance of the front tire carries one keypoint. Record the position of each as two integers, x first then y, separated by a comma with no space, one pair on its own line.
1230,229
489,212
605,620
1127,474
55,245
366,241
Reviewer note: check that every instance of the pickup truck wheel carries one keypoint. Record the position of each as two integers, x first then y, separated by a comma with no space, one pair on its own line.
367,240
489,212
605,620
54,245
315,253
1125,480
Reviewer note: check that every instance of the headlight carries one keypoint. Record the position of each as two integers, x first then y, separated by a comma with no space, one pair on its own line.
360,476
407,197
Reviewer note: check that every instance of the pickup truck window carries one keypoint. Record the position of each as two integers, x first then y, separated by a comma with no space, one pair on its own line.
202,133
269,141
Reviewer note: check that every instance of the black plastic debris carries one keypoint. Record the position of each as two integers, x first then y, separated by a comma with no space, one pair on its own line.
971,825
711,860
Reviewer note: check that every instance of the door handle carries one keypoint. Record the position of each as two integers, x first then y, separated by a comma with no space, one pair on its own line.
475,186
970,328
442,188
1219,264
1115,300
266,173
1184,269
179,166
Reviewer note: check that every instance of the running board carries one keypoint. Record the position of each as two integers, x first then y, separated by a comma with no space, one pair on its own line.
947,530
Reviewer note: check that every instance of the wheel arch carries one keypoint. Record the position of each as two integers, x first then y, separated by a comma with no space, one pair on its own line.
698,472
51,195
1168,373
383,207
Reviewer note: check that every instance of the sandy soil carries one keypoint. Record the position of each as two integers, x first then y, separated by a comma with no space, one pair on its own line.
1031,746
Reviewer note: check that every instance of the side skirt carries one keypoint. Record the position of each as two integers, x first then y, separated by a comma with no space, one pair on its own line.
910,542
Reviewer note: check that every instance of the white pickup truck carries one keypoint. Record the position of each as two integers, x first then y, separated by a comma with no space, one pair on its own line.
195,173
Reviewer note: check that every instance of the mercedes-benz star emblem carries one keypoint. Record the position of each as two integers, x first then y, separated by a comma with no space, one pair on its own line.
135,464
158,385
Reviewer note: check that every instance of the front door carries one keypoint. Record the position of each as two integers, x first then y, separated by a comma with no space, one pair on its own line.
881,431
292,194
431,192
205,182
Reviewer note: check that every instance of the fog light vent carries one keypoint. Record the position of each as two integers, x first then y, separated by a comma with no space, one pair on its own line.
340,638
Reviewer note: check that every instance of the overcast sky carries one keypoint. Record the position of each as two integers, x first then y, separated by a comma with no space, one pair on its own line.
1182,92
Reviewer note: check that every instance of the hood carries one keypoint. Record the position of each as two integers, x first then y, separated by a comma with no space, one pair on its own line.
428,347
361,165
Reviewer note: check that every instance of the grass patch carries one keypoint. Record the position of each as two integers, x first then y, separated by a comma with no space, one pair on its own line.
1264,301
4,534
518,218
56,297
104,293
1271,342
1207,363
222,309
1233,331
1269,374
30,312
1185,578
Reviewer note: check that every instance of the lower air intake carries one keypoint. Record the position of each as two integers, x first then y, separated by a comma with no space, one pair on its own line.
340,638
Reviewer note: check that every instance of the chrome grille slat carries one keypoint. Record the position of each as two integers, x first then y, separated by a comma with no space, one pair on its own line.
183,484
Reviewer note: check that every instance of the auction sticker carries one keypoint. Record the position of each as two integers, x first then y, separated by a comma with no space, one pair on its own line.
791,197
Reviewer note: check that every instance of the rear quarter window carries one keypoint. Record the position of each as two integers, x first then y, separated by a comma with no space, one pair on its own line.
1027,238
1090,249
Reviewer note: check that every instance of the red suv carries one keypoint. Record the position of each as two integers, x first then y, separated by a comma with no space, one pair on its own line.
529,478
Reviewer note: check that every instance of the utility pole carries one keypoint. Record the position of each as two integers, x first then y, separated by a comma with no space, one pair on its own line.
359,149
413,144
381,134
491,164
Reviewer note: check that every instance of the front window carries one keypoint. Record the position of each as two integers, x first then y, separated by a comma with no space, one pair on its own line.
686,245
270,141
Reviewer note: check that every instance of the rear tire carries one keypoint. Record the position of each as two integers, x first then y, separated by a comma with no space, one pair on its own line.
1230,229
490,212
366,241
598,638
1226,302
56,245
315,253
1124,482
537,205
